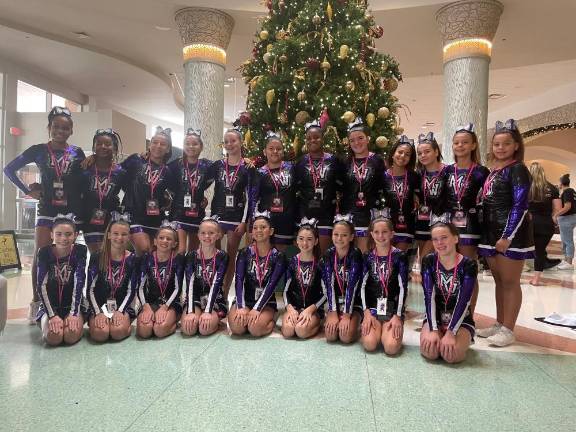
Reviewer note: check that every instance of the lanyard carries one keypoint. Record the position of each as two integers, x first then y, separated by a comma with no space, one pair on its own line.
491,177
384,277
316,172
163,282
59,276
426,187
337,273
230,181
192,179
205,273
460,191
361,172
400,197
261,275
447,295
58,166
154,179
102,189
301,278
113,281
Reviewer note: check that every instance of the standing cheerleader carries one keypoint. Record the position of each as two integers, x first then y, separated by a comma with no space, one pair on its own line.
384,288
507,237
191,179
231,201
448,280
204,304
362,184
401,184
159,291
149,194
341,273
259,268
59,188
303,294
112,282
464,180
319,176
275,191
61,277
103,181
431,189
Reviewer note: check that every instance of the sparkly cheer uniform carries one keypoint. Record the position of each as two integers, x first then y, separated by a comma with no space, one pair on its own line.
204,278
505,212
304,285
341,279
60,174
447,294
257,278
385,284
430,196
160,283
399,192
113,289
61,281
317,181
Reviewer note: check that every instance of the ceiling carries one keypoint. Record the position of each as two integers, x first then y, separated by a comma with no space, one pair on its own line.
127,60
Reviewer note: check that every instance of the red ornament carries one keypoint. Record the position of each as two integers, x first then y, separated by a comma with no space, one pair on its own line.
324,118
245,118
313,64
267,127
376,32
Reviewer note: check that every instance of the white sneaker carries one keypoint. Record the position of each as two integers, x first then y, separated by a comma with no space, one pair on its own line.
489,331
503,338
33,311
564,266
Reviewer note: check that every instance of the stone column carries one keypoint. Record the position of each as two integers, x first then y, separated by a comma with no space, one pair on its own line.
468,28
205,35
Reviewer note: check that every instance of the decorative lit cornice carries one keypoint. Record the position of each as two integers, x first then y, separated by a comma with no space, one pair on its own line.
204,52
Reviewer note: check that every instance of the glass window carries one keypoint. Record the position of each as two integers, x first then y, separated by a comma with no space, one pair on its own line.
63,102
30,98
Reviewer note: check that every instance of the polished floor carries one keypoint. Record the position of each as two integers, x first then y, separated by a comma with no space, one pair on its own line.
226,383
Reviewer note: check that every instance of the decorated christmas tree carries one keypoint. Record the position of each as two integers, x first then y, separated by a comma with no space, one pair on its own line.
317,59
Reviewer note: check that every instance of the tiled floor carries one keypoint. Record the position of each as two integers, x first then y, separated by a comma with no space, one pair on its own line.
226,383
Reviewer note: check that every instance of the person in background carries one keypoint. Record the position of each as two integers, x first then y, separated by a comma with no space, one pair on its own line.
566,219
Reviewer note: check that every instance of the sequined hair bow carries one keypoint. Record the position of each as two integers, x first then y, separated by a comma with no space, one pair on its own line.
343,218
67,216
166,132
170,225
426,138
376,214
308,222
357,124
466,128
212,218
405,140
264,214
272,135
444,218
312,124
117,217
194,132
510,125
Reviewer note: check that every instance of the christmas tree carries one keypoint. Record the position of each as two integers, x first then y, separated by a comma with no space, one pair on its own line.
317,59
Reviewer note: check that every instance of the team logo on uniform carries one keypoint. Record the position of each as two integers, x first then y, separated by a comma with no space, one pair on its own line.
204,273
380,269
116,273
102,184
62,273
432,186
343,272
262,269
282,178
461,180
306,274
63,162
152,176
446,282
319,169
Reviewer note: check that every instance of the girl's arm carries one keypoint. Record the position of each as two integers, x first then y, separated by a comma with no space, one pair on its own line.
216,287
79,278
365,276
470,275
27,157
240,275
178,269
278,271
328,282
288,298
42,273
402,266
188,296
520,179
131,287
253,194
569,197
142,279
429,291
353,281
91,282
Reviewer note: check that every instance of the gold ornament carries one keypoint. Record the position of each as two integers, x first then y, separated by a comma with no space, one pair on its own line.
344,49
270,95
381,142
283,118
248,137
383,112
325,65
283,58
301,96
300,75
267,57
361,66
301,117
264,35
348,116
399,130
281,34
359,28
369,16
391,84
269,48
370,119
329,12
349,86
296,145
316,19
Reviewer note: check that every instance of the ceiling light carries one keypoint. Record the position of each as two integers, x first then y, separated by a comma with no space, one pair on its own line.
81,35
162,28
494,96
204,52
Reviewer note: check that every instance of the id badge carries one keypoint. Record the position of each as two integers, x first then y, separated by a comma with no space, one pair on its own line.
277,206
258,293
58,185
192,211
187,201
152,207
111,305
445,317
229,201
341,301
382,306
360,202
318,194
98,217
203,302
59,197
459,219
424,213
401,225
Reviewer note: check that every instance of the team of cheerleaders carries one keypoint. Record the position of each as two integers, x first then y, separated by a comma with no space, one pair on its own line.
358,218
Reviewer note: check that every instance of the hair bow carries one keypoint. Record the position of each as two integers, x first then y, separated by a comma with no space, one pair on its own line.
357,124
444,218
67,216
312,124
343,218
264,214
170,225
426,138
60,111
405,140
166,132
192,131
117,217
467,128
376,214
308,222
510,125
212,218
272,135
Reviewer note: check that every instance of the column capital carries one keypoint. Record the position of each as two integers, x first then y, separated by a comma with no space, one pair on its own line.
205,33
